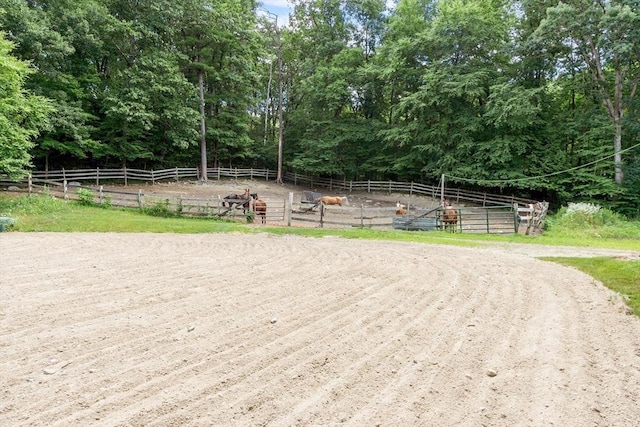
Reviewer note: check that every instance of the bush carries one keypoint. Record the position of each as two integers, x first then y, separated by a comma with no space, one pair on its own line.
590,220
85,197
161,209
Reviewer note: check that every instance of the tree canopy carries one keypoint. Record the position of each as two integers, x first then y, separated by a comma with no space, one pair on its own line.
529,97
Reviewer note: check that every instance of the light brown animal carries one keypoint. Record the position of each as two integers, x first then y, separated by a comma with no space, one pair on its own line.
402,209
260,208
331,200
450,218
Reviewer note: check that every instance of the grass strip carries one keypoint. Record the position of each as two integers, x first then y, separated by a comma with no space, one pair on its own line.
621,276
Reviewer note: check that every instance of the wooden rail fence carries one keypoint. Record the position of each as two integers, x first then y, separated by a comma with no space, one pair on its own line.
60,182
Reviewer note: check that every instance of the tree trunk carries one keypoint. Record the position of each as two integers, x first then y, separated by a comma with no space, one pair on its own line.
617,147
280,119
203,129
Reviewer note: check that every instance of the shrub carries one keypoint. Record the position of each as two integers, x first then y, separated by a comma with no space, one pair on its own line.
161,209
584,219
85,197
107,202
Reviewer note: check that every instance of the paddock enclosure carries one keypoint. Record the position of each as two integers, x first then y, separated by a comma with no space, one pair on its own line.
368,205
488,219
106,329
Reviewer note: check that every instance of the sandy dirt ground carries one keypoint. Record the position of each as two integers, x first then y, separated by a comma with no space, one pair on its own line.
258,330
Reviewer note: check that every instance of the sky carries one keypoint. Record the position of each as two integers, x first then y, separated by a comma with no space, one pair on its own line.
283,7
280,8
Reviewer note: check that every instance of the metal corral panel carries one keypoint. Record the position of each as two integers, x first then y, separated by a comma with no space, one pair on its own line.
310,196
412,223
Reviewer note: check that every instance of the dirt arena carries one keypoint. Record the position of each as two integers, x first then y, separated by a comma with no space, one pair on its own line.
110,330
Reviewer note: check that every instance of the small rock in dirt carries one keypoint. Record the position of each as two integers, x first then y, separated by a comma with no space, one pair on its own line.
492,372
190,328
49,371
274,320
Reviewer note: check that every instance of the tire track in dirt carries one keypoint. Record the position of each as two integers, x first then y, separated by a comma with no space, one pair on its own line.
176,330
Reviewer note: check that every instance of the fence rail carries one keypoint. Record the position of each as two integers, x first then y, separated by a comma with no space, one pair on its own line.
455,195
488,219
125,175
60,180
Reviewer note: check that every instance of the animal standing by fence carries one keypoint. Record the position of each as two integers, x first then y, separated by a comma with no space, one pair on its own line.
260,208
401,209
239,199
450,217
332,200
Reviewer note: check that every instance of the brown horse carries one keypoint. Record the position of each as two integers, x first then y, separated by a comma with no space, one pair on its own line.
239,199
450,217
260,208
331,200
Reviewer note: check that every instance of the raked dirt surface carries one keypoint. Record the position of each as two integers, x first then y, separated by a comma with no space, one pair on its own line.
259,330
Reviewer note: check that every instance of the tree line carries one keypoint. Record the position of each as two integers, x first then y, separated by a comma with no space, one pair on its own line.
531,97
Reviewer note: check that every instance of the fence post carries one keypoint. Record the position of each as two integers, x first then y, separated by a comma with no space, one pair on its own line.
361,215
290,208
125,175
488,228
140,199
177,175
97,176
330,184
64,189
321,215
30,180
368,186
101,195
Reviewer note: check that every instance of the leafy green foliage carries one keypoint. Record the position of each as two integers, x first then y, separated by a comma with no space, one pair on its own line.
85,197
22,115
160,208
514,98
602,223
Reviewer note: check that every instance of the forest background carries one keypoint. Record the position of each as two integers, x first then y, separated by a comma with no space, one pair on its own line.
536,98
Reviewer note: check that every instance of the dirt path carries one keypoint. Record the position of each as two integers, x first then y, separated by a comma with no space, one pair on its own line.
244,330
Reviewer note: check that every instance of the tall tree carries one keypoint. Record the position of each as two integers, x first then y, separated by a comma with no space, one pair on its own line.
333,130
219,39
22,114
605,35
60,38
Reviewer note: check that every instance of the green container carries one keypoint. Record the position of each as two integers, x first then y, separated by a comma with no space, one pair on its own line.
6,223
412,223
